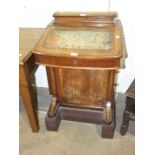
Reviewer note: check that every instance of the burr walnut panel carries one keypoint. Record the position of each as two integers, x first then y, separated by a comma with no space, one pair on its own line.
82,87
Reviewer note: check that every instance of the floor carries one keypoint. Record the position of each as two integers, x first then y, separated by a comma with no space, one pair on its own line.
73,138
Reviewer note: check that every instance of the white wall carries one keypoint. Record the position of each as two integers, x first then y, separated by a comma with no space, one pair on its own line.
34,13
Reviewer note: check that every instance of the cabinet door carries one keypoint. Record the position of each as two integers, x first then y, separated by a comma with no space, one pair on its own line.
84,88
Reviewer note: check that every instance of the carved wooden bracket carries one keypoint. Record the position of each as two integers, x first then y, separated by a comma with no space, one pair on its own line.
53,107
108,115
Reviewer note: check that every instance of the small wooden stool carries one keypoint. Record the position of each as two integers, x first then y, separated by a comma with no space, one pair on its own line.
129,112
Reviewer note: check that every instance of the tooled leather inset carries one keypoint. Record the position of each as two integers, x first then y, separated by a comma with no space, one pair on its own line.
79,39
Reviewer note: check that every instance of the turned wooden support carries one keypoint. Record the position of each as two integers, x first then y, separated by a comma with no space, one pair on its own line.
53,107
108,115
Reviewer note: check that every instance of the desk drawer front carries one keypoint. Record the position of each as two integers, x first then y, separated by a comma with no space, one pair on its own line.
74,62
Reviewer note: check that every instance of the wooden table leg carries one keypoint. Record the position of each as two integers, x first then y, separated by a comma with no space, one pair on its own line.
28,96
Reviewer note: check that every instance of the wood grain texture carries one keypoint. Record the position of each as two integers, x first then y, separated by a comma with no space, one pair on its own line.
89,19
81,79
51,80
85,86
28,96
82,87
114,52
88,14
77,63
28,37
111,82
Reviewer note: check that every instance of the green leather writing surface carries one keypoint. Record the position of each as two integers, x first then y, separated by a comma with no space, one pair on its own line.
79,39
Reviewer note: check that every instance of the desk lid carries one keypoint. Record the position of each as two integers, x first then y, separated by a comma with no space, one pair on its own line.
81,41
94,43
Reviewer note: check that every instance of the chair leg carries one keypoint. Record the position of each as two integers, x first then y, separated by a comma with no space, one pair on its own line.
125,124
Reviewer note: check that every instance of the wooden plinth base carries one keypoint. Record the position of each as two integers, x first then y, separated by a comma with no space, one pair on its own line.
80,115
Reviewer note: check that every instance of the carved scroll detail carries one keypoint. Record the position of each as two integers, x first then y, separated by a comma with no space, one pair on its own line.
53,107
107,115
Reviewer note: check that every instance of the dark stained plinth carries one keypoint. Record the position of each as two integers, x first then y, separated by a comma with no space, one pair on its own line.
108,130
52,123
81,115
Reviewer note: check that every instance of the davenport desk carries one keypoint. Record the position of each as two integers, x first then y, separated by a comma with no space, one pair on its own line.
82,53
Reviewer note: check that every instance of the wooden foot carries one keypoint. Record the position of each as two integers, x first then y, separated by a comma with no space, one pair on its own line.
108,130
80,115
53,117
52,123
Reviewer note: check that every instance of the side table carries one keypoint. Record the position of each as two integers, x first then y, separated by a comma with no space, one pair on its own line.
28,38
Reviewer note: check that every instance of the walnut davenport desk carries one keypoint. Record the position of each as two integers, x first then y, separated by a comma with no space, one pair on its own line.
82,53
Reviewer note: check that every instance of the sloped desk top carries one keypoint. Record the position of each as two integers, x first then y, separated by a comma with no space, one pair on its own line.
28,37
84,42
79,40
